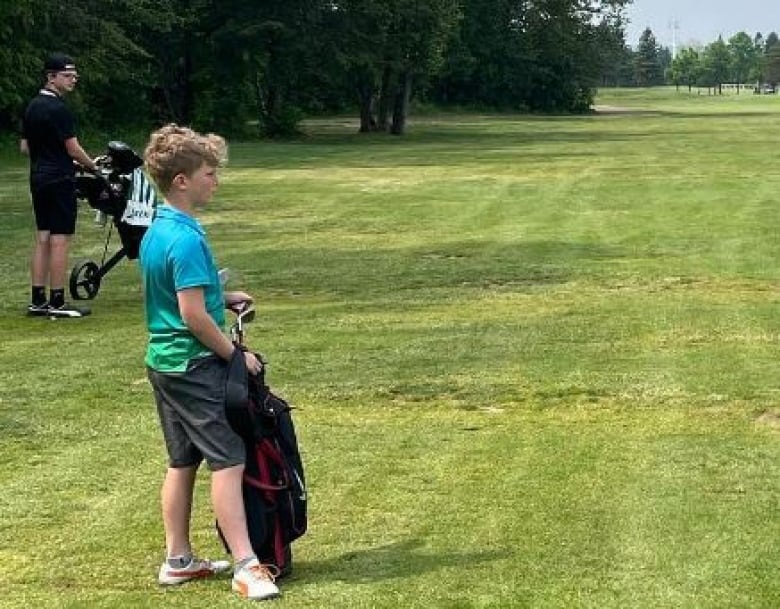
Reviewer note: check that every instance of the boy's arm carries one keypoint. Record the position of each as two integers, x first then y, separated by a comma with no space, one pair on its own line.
77,153
193,312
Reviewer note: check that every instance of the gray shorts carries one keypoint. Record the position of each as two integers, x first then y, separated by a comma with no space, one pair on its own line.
191,406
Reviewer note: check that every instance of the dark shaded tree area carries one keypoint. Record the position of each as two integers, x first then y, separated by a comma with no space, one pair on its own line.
546,55
256,68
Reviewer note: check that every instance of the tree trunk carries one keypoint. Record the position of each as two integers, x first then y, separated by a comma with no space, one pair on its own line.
383,112
401,106
265,103
366,115
366,99
176,86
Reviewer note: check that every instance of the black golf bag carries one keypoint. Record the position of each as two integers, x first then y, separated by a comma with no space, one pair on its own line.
274,486
122,193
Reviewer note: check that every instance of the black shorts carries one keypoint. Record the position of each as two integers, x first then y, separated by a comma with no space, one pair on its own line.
191,406
55,207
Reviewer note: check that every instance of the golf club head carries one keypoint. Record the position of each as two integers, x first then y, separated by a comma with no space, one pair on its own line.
246,316
237,329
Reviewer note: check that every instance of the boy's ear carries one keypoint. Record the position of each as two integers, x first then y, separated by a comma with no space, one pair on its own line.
179,180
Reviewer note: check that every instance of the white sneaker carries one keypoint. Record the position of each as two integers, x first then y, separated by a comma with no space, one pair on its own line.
255,582
197,568
65,311
38,310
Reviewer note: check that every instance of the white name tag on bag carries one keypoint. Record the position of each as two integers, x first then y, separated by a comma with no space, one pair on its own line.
142,201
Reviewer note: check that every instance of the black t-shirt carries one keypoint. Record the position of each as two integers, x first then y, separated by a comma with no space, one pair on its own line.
48,123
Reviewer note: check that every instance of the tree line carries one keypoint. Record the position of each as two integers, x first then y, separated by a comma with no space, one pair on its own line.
246,68
740,60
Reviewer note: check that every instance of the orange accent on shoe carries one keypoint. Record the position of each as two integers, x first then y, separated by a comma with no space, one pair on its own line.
262,571
192,574
243,589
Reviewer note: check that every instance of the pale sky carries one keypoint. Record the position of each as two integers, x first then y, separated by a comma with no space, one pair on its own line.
700,22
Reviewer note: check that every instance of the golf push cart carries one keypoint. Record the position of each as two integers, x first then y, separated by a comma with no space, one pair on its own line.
120,192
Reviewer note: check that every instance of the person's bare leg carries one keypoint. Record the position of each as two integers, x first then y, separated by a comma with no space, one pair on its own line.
39,263
58,260
228,501
250,579
176,498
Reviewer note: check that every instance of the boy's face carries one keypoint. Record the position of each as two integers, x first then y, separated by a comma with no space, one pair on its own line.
63,81
202,185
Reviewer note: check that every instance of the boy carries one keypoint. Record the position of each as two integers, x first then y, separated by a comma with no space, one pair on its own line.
50,139
187,358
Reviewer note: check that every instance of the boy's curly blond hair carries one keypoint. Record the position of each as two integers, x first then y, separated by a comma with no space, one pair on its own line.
173,150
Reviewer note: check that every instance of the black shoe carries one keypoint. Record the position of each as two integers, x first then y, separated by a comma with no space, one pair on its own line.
38,310
66,310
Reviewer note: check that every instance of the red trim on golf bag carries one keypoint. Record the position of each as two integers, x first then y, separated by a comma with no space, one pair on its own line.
266,451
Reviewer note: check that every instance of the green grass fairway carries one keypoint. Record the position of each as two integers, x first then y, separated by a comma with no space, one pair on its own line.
535,362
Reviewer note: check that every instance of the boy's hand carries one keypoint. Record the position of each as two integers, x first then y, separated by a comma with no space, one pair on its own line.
253,365
237,301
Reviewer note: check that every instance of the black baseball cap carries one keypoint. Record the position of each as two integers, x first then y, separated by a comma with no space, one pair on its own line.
57,62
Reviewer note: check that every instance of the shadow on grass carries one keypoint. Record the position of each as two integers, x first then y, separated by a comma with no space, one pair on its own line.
426,148
391,561
466,139
389,272
482,141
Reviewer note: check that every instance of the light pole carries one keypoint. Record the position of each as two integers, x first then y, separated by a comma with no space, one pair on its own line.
674,25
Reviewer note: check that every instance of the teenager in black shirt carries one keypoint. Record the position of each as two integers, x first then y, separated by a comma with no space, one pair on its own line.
49,137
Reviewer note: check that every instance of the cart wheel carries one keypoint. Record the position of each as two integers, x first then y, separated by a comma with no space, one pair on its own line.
84,280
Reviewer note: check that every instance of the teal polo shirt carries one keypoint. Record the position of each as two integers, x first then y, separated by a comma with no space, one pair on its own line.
174,256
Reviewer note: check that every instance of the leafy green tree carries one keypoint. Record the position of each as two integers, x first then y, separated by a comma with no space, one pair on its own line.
386,48
359,31
20,60
544,56
770,41
773,65
716,62
94,34
743,56
490,61
664,63
686,67
169,33
756,71
618,67
769,60
570,39
255,64
647,67
419,35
